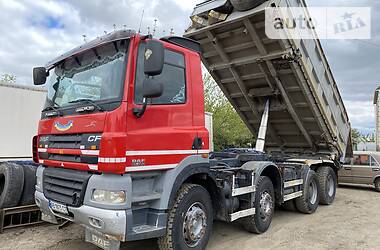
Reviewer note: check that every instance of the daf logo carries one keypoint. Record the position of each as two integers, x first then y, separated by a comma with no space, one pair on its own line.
94,138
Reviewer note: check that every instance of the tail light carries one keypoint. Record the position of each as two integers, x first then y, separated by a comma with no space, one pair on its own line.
35,148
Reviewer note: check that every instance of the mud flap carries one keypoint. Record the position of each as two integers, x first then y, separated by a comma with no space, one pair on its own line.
101,240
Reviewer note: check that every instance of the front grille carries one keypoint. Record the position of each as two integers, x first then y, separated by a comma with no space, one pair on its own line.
65,186
65,141
69,158
70,141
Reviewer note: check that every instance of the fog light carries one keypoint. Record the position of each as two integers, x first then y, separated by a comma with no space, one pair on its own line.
108,197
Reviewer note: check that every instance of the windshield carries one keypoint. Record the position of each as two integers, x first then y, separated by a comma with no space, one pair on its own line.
95,75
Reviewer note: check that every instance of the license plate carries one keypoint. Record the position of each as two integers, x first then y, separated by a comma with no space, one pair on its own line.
60,208
101,241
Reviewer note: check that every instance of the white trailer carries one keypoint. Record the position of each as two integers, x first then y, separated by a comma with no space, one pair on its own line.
20,111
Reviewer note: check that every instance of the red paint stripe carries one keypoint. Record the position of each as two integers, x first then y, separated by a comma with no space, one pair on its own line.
70,165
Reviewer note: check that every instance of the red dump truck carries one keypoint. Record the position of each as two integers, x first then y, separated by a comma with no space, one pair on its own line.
123,148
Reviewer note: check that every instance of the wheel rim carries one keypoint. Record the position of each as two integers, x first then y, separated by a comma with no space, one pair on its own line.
266,206
330,185
194,224
313,192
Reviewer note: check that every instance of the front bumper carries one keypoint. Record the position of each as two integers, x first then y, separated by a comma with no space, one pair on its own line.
112,223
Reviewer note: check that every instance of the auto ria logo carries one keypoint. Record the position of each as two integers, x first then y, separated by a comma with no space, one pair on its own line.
63,127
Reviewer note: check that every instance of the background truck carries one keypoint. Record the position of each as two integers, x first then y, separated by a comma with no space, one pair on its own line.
122,143
21,109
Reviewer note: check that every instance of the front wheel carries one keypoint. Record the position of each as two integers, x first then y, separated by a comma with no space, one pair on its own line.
309,201
190,220
264,205
327,183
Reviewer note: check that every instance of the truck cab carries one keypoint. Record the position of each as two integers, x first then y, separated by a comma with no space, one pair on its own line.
100,129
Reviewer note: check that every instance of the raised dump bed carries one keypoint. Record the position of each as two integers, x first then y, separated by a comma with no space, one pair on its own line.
307,114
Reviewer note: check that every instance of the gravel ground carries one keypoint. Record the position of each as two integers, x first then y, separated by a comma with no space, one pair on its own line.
352,222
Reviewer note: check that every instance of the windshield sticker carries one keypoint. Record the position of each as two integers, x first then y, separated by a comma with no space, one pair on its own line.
63,127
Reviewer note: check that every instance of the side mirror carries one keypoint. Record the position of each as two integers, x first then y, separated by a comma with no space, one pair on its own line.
154,58
152,88
39,75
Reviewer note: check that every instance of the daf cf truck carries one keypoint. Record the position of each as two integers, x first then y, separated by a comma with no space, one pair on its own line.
122,146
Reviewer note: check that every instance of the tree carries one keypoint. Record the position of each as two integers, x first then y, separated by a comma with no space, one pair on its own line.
229,129
356,136
8,79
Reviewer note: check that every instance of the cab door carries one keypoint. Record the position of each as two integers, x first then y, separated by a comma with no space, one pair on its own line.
362,169
165,134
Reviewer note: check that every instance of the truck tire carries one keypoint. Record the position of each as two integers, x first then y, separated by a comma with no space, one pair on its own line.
11,184
309,201
327,185
377,184
190,220
264,205
27,197
244,5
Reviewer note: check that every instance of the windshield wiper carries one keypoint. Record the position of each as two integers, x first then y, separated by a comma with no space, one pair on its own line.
88,101
55,110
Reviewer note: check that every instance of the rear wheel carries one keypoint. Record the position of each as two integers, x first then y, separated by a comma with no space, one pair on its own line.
244,5
264,205
377,184
327,185
190,220
309,201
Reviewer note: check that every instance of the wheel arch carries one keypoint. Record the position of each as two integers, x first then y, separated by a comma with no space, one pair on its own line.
332,165
376,178
273,173
270,170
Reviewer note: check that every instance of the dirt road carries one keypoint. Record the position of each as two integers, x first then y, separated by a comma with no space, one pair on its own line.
353,222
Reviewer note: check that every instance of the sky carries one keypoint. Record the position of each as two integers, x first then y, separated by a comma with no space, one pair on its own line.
34,32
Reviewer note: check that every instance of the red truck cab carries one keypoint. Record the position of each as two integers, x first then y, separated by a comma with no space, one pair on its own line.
109,152
107,136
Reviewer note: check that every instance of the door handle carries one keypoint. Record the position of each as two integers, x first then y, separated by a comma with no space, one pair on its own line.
347,168
376,169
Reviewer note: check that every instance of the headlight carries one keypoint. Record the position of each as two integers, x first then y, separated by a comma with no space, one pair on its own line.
109,197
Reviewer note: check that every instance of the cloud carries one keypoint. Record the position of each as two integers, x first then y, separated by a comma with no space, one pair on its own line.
33,32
